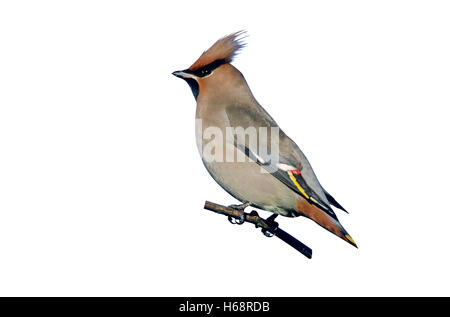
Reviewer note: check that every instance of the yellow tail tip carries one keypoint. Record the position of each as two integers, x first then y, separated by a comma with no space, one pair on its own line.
349,239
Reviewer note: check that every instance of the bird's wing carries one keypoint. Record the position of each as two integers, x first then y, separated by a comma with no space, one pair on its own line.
292,169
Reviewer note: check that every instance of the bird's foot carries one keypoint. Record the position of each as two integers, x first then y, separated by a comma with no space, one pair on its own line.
271,222
241,219
237,221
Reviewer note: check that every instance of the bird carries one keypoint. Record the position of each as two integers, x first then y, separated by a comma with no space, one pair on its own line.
225,103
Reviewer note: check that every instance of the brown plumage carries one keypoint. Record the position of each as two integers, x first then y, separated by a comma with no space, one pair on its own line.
224,49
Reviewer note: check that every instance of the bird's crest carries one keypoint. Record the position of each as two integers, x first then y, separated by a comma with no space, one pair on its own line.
224,49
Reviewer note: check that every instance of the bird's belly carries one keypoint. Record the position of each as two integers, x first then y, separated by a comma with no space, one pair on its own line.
247,182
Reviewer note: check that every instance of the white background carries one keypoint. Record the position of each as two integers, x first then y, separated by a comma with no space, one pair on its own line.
102,188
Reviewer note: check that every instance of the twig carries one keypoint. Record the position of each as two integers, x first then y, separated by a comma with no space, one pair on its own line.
266,226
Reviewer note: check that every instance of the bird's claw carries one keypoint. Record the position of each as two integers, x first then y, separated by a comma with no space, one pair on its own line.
241,219
267,233
237,221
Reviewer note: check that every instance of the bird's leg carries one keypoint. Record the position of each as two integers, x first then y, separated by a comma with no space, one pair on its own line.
240,207
271,219
271,222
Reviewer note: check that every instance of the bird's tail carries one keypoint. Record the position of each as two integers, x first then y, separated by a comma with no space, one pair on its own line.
323,219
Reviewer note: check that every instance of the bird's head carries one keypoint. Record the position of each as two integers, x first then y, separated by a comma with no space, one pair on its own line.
213,64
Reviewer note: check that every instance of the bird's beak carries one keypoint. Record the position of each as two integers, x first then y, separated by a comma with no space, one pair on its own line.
182,74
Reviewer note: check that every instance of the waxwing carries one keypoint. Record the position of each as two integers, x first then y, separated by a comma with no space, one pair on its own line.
269,172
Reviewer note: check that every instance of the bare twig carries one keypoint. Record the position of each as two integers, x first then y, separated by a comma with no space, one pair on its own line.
266,226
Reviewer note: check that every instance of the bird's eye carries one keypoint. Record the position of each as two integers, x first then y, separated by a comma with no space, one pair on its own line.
205,72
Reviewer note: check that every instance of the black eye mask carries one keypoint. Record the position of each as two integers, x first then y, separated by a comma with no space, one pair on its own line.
201,72
206,70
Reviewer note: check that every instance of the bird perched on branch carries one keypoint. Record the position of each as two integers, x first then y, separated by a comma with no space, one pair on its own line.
286,184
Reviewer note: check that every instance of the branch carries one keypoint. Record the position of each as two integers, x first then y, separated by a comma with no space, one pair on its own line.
266,226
